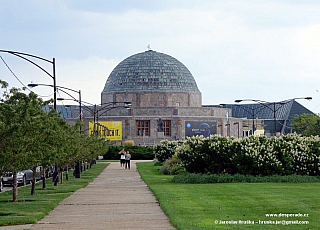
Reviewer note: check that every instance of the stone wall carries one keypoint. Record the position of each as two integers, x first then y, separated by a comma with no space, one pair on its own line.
154,99
177,127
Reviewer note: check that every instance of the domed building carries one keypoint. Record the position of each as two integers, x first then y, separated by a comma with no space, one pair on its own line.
152,79
165,103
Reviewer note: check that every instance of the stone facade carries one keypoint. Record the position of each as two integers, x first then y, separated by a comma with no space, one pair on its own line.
158,86
154,99
177,117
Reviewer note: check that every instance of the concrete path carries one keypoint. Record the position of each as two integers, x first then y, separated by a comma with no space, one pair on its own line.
116,199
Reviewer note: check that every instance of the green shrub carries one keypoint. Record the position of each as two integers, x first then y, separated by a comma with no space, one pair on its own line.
158,163
197,178
207,155
254,155
137,152
164,170
177,169
171,166
166,149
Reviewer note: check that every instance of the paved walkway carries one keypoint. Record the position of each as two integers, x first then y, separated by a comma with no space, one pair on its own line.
116,199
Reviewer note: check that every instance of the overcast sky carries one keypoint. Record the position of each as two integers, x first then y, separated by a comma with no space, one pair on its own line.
246,49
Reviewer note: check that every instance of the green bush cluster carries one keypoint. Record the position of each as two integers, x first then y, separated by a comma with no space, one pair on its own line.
197,178
137,152
166,149
203,155
172,166
254,155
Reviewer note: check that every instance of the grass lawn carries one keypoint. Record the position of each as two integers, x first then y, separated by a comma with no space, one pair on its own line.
206,206
30,209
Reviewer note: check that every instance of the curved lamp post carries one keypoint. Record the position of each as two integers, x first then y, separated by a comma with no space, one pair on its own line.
250,110
62,88
272,106
53,75
105,108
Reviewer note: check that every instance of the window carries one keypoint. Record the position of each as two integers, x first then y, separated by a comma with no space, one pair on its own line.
167,127
143,128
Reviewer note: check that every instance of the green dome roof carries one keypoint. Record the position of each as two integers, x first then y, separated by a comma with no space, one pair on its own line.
150,71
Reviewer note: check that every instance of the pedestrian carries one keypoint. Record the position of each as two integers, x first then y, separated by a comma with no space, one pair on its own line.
128,157
122,158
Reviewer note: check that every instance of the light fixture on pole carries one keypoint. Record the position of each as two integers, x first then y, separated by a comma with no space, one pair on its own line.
272,106
250,110
53,75
101,110
62,88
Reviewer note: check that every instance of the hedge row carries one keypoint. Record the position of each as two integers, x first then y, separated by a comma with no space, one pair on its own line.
137,152
287,155
196,178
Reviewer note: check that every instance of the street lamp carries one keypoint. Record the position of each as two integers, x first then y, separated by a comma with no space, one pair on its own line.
250,110
53,75
32,85
272,106
105,108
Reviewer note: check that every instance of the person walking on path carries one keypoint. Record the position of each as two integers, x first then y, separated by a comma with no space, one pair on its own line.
122,158
128,157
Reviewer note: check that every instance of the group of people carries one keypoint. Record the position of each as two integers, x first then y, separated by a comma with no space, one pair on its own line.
125,157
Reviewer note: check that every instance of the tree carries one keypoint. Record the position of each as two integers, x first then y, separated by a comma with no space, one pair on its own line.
306,124
20,117
29,137
26,133
44,142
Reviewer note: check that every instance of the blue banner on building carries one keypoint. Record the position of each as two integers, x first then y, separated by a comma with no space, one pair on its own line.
198,128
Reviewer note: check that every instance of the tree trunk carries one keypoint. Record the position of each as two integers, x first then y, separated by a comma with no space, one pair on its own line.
67,173
15,188
43,175
61,176
44,186
33,185
55,174
77,170
56,178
